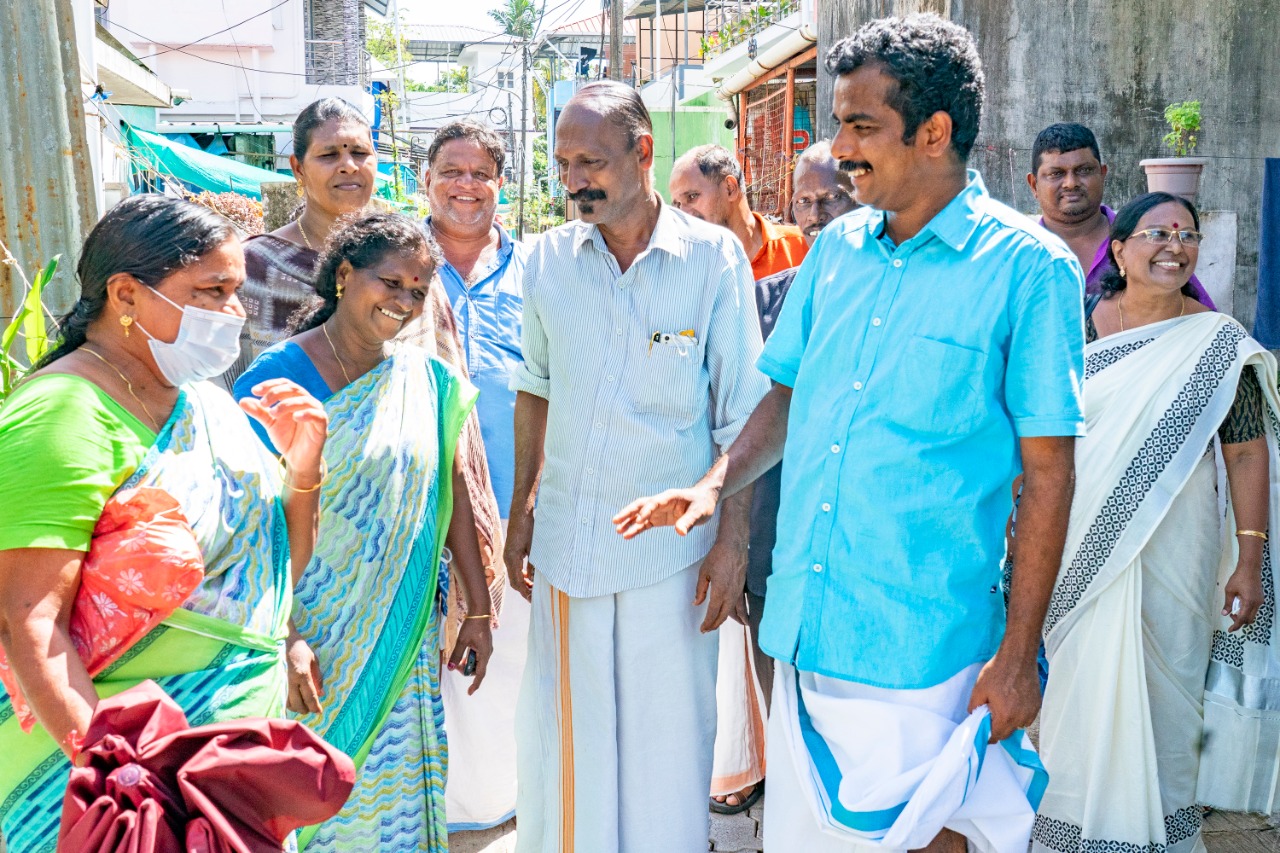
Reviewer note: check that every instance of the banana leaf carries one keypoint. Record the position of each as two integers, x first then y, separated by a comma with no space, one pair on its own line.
33,325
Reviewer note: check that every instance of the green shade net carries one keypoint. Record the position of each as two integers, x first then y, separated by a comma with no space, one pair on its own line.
198,168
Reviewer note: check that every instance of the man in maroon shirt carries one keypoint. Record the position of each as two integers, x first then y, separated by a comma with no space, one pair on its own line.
1067,177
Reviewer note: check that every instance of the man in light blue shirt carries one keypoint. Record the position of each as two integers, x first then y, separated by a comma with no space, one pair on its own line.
930,348
481,274
640,340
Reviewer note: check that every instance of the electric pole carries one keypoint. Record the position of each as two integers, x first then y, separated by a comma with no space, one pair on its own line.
400,63
615,39
524,123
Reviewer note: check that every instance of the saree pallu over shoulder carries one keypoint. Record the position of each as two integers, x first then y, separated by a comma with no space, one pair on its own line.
1133,608
370,595
219,656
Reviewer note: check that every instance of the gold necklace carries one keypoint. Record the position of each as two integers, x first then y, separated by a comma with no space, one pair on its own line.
1120,309
155,424
303,231
324,327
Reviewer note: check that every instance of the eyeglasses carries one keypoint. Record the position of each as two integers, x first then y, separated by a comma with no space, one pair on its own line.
802,205
1164,236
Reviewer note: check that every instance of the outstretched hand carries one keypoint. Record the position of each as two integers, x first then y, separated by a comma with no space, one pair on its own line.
683,509
295,422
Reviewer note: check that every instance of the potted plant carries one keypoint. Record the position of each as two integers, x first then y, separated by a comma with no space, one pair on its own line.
1179,175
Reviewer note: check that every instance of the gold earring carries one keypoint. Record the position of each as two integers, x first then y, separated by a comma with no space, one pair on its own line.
340,289
1122,272
126,321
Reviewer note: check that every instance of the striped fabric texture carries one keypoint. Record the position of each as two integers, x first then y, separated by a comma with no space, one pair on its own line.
649,374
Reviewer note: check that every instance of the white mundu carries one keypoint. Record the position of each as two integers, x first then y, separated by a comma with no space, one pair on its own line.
853,767
616,720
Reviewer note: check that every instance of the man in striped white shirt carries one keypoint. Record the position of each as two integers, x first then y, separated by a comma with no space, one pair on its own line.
639,343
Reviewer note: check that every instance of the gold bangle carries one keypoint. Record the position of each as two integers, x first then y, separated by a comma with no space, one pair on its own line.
284,478
478,616
1258,533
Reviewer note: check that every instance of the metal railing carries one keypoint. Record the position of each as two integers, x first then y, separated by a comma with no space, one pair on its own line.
728,27
332,62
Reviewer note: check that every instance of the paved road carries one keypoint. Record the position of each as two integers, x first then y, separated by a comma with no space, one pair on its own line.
1223,833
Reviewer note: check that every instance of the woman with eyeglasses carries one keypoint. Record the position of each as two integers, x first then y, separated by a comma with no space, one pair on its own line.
1161,665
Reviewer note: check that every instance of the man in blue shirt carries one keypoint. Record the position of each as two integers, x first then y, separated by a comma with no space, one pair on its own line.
482,272
930,348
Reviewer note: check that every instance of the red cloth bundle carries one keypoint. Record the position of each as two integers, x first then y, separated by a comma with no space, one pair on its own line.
142,564
150,784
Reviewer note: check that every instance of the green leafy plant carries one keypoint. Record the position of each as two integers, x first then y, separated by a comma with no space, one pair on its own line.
452,80
1184,127
518,18
29,321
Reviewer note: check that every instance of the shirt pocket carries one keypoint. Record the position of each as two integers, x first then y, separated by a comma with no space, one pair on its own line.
665,383
940,389
495,345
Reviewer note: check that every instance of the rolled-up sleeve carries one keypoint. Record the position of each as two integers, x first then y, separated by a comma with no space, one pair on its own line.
784,350
534,373
733,345
1044,378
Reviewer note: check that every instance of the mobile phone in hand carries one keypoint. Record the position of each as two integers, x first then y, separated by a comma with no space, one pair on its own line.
469,664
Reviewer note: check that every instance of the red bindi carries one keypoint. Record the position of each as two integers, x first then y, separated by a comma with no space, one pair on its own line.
415,278
1175,225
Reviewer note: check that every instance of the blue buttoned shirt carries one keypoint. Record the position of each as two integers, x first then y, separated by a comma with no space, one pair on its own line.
488,314
915,369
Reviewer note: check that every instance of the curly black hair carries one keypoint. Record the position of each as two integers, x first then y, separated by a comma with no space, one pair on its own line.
363,240
1126,222
1063,138
935,64
149,237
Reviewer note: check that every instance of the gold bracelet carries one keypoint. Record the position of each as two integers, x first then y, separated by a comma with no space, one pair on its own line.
1258,533
478,616
284,478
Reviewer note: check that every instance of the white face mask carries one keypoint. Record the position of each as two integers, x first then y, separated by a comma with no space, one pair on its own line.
208,343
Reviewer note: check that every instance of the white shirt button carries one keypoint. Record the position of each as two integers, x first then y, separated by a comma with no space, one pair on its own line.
599,426
610,378
585,521
876,321
617,331
817,567
591,470
897,263
857,386
826,507
835,448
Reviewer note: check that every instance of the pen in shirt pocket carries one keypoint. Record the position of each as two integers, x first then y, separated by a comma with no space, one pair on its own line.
687,337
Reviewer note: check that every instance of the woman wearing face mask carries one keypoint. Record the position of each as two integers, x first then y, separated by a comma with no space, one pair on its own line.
369,600
336,166
119,405
1159,634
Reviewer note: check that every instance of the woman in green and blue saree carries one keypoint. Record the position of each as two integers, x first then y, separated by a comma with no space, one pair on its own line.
120,403
369,601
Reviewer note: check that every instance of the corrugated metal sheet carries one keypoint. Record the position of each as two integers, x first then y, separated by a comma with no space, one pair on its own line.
47,201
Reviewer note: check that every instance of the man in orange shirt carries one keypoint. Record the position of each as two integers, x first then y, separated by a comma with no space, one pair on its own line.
707,183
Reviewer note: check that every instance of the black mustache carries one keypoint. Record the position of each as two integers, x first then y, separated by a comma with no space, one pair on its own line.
588,194
850,165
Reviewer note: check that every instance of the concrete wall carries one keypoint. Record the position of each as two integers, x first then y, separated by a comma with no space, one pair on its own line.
1114,65
693,126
